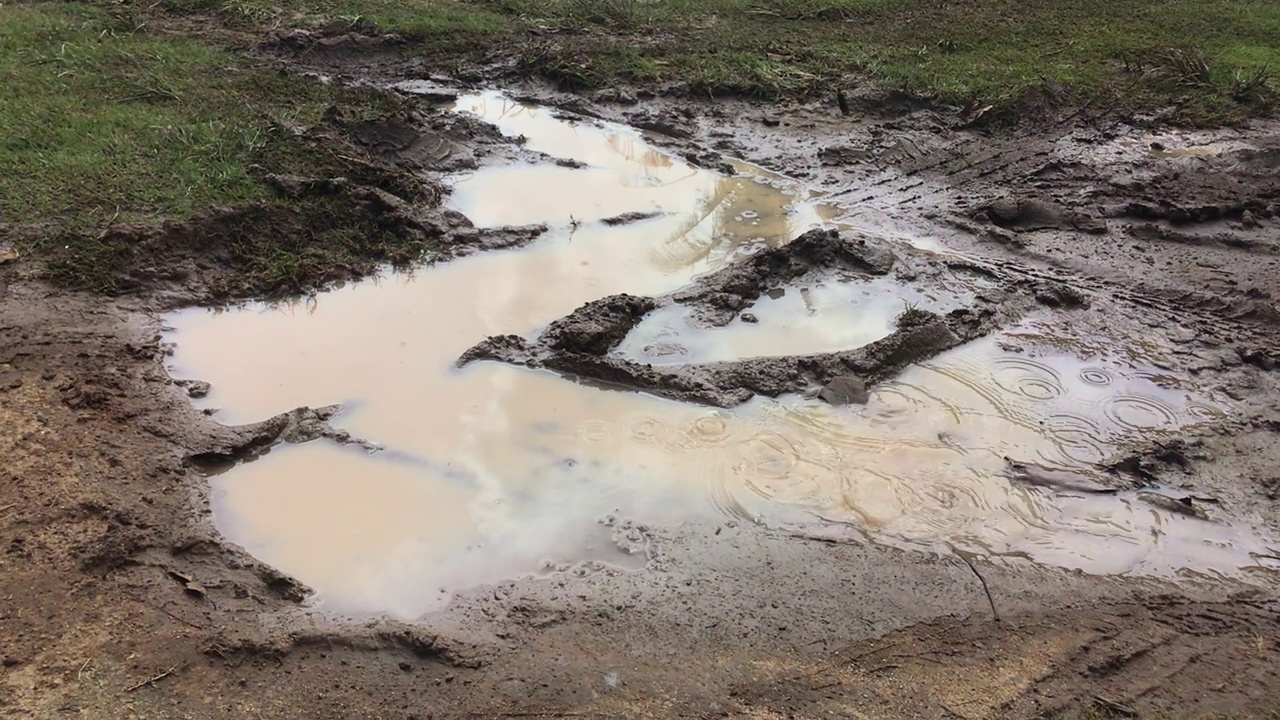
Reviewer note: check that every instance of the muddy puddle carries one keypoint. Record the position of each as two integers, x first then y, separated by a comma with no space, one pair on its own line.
821,317
495,470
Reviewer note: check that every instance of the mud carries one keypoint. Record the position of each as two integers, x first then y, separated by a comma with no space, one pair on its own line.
379,202
582,343
100,505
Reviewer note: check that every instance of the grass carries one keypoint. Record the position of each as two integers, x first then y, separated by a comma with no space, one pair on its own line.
912,315
107,123
103,120
100,119
442,27
1212,60
135,111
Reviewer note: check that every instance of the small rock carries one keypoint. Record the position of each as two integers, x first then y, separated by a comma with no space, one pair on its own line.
1003,212
198,389
1057,295
845,390
1247,221
749,318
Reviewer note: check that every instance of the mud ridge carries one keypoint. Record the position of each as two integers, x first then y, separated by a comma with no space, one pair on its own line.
581,344
389,637
228,445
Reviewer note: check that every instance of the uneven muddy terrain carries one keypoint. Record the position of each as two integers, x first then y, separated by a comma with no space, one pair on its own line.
701,409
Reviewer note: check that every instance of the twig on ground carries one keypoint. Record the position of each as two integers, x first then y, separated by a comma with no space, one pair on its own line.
80,672
10,506
994,615
828,686
157,608
148,681
873,651
915,656
1114,707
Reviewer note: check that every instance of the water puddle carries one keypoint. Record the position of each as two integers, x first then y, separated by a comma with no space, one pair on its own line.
497,470
927,461
823,317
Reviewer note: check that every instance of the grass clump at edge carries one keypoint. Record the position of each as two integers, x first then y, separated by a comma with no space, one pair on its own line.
963,52
107,125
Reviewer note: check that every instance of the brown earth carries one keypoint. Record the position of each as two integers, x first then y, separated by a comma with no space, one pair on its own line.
120,600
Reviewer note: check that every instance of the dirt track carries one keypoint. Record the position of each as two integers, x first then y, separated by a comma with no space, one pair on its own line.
112,573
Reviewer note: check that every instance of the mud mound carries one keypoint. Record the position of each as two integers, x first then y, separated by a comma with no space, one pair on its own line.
598,327
730,383
1027,214
415,140
582,343
338,40
324,230
1223,187
261,248
723,294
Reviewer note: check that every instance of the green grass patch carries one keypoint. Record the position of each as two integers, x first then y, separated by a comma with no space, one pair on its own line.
108,124
443,27
103,120
1126,52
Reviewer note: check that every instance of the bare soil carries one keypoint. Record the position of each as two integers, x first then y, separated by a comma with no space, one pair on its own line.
120,600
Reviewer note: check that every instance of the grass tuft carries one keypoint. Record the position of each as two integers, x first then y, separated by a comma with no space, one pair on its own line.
912,316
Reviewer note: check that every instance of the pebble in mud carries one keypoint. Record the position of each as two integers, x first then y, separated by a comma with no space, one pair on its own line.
845,390
749,318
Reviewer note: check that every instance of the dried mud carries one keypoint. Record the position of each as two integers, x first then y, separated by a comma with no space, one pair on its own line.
122,601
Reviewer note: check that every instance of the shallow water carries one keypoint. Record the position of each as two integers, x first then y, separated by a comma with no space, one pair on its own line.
496,470
820,317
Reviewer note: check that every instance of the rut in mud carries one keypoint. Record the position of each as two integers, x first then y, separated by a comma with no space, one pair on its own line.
722,349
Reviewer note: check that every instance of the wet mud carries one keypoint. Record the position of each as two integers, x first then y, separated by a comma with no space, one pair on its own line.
947,402
1091,458
582,344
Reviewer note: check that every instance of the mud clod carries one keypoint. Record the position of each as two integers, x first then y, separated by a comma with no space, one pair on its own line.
235,444
630,217
469,240
1152,460
598,327
1029,214
1059,295
723,294
1055,479
337,41
845,390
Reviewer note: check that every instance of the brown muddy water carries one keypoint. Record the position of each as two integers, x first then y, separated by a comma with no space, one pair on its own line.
495,471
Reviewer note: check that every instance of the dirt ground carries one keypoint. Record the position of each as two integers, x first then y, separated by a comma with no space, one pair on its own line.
120,600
